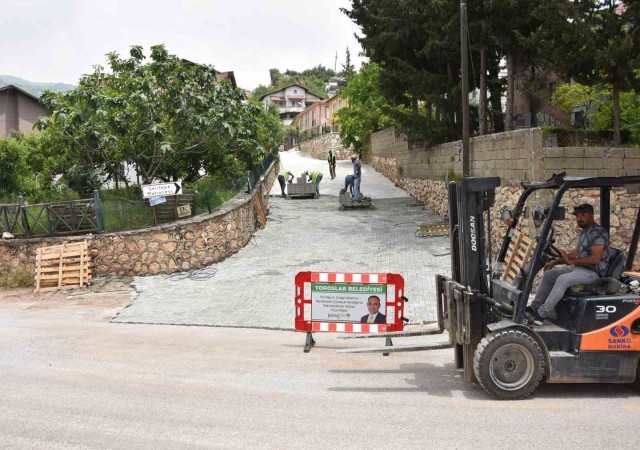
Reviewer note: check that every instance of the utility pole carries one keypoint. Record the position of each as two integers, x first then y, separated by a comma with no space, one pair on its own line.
335,64
464,62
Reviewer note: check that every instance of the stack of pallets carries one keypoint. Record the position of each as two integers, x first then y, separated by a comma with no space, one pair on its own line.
63,267
518,255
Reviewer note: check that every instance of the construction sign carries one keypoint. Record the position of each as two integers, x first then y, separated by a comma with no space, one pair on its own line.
348,302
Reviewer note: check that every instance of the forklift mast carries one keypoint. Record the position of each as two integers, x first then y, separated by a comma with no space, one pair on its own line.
469,198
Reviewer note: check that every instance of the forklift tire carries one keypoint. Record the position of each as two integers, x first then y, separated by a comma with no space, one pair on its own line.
509,364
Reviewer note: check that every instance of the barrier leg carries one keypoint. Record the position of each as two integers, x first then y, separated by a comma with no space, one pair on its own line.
310,342
387,343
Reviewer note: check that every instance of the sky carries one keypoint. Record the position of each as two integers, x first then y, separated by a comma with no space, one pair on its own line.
59,41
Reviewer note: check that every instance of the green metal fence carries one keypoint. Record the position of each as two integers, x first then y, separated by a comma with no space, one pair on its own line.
53,219
253,176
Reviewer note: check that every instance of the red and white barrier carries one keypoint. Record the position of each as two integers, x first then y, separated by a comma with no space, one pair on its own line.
356,286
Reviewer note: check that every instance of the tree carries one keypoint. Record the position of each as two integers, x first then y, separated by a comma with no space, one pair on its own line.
13,166
270,132
598,103
605,43
417,46
170,119
347,69
367,108
313,79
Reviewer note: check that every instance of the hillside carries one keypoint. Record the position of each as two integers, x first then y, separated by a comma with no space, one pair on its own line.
313,79
33,88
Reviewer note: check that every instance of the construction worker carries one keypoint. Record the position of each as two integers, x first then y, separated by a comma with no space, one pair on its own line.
348,184
315,177
284,177
332,164
357,173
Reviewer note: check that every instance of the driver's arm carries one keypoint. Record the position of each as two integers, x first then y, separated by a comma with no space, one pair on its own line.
572,254
592,260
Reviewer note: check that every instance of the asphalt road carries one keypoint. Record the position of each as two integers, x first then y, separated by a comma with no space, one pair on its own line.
70,379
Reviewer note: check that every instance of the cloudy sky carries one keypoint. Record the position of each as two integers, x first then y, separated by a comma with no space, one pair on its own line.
58,41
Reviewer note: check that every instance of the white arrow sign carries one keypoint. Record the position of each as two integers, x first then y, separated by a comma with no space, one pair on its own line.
156,190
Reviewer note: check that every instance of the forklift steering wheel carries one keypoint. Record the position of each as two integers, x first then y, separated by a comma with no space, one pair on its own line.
550,249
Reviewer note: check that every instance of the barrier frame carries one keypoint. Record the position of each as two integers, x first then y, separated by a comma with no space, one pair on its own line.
394,308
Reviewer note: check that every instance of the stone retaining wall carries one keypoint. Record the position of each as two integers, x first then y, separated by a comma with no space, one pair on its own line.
512,156
187,244
319,147
423,178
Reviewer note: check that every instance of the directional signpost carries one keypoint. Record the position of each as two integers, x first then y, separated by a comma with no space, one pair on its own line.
158,190
153,201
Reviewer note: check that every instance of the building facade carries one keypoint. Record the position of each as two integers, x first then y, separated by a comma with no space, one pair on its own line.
335,104
291,101
19,110
313,119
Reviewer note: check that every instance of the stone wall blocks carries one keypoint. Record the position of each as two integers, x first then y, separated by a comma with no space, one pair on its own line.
631,165
170,247
632,153
553,152
594,152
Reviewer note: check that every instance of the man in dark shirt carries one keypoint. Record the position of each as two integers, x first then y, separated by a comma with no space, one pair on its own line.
585,264
332,164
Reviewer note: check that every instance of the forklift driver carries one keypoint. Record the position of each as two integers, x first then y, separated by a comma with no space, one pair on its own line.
585,264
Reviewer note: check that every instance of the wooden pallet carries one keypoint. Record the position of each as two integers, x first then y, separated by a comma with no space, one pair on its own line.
427,229
519,252
260,206
63,267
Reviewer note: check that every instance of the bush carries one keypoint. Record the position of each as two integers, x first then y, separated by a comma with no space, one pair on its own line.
17,278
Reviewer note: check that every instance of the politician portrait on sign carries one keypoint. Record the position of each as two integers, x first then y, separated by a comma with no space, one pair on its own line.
343,302
374,316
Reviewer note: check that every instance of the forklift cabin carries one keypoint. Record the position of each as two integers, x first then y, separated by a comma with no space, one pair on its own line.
596,338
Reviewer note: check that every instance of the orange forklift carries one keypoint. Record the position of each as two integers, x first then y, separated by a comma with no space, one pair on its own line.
596,337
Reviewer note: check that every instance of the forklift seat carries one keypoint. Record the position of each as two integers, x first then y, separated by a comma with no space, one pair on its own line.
610,283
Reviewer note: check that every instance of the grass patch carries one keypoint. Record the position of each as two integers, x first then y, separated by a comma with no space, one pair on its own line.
17,278
124,208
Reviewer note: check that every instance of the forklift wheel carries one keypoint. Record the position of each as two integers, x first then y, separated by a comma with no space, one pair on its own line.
509,364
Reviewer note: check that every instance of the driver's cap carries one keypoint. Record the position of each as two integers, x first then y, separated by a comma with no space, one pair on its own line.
584,208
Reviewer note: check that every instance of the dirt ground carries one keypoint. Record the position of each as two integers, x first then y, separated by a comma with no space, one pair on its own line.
99,302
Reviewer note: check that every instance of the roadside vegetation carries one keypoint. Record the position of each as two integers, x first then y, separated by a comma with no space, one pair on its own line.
416,48
16,278
167,118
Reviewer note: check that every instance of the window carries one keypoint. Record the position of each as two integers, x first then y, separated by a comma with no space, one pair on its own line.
333,107
340,103
313,118
295,91
326,113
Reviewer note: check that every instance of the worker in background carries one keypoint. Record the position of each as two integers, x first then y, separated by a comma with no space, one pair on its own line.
315,177
284,177
332,164
348,184
357,174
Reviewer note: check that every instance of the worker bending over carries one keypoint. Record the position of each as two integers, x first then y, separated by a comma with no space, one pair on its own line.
284,177
315,177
